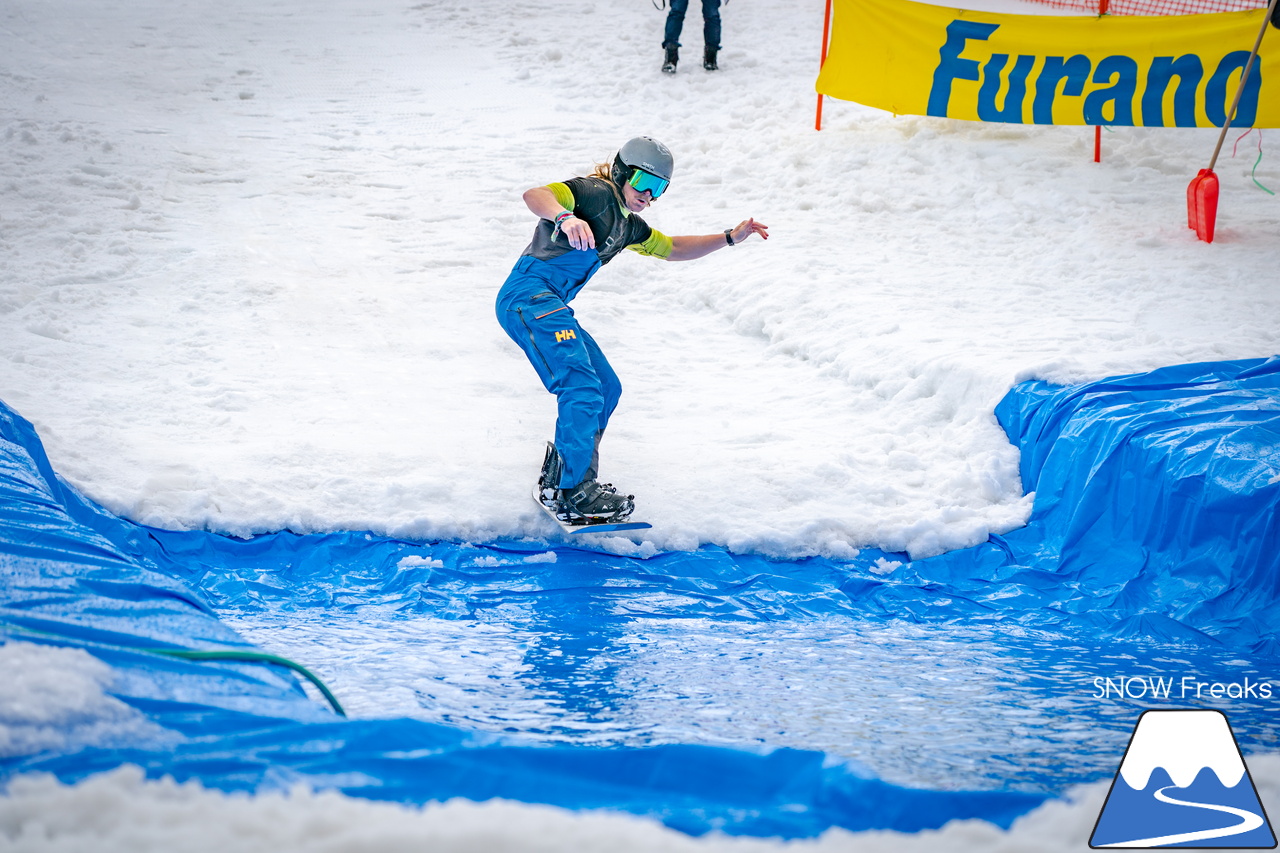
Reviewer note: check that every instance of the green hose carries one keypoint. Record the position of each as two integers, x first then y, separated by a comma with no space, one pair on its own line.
192,654
254,657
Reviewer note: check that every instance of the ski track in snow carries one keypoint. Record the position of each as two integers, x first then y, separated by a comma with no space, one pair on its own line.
249,251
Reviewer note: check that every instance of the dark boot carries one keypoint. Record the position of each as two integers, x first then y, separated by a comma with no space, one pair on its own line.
669,64
591,501
709,59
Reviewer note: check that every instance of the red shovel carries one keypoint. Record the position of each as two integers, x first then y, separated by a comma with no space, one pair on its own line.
1202,192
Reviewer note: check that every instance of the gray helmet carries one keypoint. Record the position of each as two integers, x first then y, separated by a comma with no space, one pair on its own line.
643,152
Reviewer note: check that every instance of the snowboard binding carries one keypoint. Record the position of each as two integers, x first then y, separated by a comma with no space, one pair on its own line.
588,504
549,479
591,502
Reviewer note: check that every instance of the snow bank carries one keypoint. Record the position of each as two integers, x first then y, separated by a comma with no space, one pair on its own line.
56,699
249,251
121,812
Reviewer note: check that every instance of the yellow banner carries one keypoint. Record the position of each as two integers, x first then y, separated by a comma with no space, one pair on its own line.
1177,71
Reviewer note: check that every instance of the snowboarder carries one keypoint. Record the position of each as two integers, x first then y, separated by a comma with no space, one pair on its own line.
583,223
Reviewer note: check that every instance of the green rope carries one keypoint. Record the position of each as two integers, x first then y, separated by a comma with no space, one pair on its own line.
193,654
1254,173
1256,163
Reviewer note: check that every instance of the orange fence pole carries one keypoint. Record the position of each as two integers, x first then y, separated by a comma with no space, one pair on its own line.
826,32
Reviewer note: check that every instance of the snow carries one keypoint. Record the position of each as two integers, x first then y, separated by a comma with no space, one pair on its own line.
248,258
57,699
120,812
250,253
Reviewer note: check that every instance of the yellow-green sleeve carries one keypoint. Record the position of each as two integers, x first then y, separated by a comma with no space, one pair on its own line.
563,194
657,246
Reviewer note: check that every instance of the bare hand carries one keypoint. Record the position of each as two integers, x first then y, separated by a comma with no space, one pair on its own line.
747,227
578,233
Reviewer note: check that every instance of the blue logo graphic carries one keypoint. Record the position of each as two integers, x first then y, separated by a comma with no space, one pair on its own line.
1183,783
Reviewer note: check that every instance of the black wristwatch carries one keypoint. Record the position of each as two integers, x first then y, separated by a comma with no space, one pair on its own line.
728,236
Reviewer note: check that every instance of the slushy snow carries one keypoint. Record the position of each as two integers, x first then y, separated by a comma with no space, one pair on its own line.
250,253
56,699
121,812
248,258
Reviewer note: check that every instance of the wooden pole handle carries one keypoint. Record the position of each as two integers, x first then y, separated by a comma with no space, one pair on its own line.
1244,78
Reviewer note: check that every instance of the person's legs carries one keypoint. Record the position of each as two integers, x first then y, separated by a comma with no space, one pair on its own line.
555,344
711,25
675,23
671,36
610,385
611,392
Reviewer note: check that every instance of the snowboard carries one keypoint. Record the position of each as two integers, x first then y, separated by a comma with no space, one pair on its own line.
584,526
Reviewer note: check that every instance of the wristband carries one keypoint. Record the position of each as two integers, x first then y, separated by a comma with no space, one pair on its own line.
728,236
563,215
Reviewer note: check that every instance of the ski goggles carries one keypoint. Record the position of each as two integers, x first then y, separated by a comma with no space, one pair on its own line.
642,181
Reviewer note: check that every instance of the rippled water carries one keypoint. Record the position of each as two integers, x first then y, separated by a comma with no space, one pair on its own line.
937,706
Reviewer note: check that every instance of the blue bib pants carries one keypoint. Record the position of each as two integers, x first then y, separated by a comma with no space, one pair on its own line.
533,309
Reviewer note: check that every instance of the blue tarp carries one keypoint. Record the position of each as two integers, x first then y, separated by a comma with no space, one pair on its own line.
1157,510
1155,518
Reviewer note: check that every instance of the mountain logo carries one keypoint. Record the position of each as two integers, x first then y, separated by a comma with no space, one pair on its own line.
1183,783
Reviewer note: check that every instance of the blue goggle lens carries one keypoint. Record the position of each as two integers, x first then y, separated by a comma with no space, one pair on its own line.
642,181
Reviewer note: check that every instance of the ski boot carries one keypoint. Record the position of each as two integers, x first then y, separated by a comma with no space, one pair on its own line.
672,57
591,502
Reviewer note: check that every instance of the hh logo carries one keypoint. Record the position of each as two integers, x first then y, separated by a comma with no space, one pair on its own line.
1183,783
566,335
